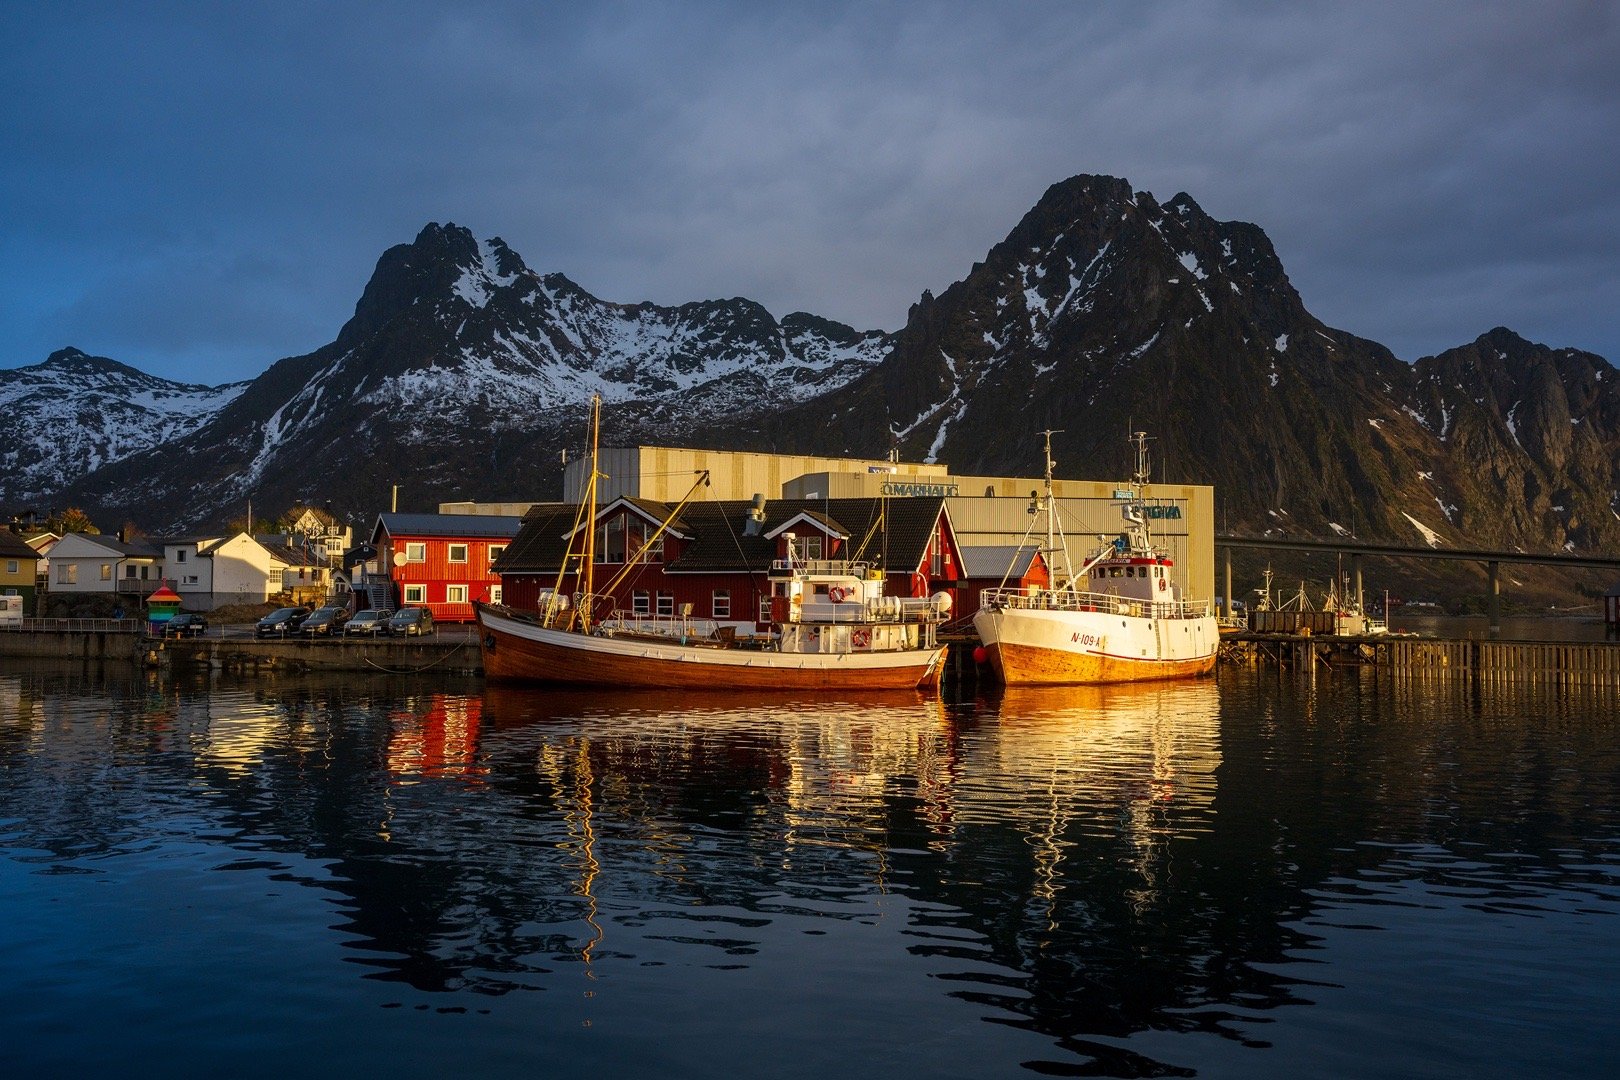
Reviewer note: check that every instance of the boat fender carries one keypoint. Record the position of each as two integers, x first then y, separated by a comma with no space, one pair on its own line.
836,594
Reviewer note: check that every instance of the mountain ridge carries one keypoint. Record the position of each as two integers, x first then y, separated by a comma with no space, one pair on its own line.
1102,310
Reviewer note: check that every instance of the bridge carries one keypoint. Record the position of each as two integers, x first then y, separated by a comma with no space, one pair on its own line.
1359,549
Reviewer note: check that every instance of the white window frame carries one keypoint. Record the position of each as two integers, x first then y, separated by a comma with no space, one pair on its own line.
189,579
415,594
455,594
415,551
67,573
765,608
666,603
450,553
720,603
495,553
641,602
12,566
494,594
107,574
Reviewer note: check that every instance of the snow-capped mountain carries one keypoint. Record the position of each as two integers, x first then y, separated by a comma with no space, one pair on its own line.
452,376
74,413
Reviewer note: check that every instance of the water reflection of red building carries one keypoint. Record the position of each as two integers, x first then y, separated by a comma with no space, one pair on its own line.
440,742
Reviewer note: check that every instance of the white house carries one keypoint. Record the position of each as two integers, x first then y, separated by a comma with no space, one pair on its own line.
325,534
82,563
191,570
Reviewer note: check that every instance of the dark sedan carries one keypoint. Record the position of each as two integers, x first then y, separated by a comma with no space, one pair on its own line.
186,624
282,622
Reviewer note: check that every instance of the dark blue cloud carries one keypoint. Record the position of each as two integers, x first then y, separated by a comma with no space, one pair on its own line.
199,190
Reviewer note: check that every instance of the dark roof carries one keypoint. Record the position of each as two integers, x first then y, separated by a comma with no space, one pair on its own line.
12,546
717,533
993,561
479,526
112,543
290,556
541,541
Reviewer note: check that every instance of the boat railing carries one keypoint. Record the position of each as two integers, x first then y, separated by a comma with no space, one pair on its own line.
820,568
1065,600
681,627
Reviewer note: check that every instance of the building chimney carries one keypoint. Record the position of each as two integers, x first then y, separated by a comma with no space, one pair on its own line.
754,523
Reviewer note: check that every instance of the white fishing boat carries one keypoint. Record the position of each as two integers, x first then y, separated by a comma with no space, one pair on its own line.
1117,617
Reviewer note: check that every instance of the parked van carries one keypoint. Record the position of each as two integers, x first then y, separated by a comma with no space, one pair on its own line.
11,610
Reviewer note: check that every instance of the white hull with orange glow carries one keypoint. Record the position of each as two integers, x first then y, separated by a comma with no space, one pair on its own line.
1109,644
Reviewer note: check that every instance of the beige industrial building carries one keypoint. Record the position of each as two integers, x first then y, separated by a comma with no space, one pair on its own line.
987,512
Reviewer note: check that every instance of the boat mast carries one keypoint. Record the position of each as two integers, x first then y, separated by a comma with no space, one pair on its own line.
1137,508
1055,540
588,570
582,540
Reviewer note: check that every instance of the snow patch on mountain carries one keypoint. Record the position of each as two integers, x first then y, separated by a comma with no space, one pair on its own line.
75,413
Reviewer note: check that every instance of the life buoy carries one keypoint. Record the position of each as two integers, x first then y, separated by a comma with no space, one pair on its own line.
1162,585
836,594
861,639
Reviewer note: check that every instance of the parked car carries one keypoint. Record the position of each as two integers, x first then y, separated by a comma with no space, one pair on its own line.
325,622
408,622
282,622
186,624
368,622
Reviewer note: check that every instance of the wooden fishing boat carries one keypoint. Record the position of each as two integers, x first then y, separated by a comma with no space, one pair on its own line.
832,627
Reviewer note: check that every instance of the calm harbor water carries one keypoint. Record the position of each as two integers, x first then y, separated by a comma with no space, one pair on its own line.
1240,877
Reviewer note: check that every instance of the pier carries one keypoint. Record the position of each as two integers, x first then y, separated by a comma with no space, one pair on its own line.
1592,663
1492,561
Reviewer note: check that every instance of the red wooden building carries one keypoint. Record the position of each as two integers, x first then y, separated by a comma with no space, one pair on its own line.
443,562
713,561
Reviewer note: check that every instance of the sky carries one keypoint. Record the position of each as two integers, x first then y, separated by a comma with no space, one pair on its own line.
199,190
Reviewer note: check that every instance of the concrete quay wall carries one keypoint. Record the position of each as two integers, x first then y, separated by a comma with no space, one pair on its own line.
451,655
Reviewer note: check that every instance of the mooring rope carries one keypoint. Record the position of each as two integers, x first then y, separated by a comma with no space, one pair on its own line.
415,671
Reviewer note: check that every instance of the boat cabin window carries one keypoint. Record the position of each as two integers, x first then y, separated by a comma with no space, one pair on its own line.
821,589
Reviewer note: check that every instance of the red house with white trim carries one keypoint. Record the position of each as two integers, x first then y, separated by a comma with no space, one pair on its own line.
443,562
712,562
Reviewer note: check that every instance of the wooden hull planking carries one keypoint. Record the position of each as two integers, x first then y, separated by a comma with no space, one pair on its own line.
516,650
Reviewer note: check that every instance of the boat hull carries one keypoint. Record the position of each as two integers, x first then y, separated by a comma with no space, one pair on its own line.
516,649
1039,647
